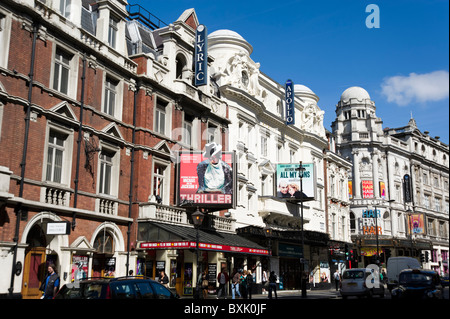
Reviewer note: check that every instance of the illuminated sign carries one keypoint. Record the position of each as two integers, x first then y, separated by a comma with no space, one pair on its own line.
201,56
290,108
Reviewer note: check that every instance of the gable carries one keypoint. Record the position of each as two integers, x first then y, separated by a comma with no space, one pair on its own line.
190,18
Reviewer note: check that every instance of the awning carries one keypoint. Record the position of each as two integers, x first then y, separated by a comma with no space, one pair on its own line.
208,240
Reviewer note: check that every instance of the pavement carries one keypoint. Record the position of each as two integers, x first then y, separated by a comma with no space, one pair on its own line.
291,294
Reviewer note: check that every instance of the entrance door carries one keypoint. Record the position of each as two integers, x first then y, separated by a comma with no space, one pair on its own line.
33,274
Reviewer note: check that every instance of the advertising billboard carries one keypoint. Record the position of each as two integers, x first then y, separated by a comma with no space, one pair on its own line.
367,189
417,223
288,182
206,179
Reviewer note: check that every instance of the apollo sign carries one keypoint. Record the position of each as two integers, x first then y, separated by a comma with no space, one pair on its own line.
289,100
201,55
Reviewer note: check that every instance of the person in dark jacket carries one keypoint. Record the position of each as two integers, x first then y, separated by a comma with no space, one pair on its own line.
51,283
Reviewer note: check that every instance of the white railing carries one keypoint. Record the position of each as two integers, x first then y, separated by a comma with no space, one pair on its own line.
174,215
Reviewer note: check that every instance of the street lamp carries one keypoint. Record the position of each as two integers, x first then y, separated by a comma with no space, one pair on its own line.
376,230
197,219
301,170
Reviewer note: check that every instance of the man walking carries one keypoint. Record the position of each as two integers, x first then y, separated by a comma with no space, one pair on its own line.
222,278
337,279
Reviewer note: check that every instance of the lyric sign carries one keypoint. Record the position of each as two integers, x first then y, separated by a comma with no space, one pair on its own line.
201,56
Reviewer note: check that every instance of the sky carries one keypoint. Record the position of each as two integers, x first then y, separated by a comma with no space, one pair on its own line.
398,51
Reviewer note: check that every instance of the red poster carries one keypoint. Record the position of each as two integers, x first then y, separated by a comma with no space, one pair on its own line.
206,180
367,189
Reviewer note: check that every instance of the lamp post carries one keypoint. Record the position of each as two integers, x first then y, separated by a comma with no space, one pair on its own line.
376,230
197,219
301,170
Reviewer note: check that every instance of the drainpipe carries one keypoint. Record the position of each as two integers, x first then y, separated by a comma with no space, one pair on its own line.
130,195
18,209
79,140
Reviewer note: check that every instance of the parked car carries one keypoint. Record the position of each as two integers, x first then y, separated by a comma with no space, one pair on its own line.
115,288
354,283
396,264
418,284
444,280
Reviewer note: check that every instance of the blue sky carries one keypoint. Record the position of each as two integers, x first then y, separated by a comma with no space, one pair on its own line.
327,46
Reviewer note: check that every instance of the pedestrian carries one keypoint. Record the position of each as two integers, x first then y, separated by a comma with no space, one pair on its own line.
163,279
50,284
272,284
205,283
265,283
249,279
337,279
222,278
244,284
235,284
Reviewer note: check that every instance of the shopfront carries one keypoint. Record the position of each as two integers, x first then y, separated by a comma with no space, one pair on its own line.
172,249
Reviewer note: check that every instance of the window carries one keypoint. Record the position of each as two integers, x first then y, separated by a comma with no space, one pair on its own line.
387,221
61,71
352,223
64,7
263,145
187,129
160,117
106,165
104,243
426,201
213,134
55,154
112,32
431,229
437,204
400,222
292,156
279,152
159,183
109,103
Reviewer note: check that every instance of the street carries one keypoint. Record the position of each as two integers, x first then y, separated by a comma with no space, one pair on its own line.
322,294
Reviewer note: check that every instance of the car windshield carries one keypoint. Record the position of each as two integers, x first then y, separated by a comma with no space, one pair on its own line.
356,274
406,278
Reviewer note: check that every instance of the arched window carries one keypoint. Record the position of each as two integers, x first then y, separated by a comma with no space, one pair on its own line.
181,67
104,243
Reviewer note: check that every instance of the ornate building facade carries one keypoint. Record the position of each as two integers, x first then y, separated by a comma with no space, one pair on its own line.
262,140
399,202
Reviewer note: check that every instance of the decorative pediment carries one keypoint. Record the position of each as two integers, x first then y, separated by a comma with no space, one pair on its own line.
65,110
82,244
162,146
113,130
267,167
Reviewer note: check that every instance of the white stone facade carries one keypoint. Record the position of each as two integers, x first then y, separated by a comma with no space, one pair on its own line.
381,158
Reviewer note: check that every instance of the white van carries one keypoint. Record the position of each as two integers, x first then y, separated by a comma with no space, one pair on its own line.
396,264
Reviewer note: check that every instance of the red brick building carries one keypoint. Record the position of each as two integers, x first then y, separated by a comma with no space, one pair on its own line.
93,108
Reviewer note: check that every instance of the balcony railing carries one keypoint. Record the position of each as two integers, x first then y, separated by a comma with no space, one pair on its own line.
177,216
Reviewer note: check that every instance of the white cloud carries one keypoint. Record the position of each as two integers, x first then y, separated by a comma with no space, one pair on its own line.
428,87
